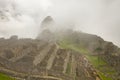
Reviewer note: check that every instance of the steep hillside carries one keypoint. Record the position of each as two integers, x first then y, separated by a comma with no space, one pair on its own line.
59,55
39,60
103,55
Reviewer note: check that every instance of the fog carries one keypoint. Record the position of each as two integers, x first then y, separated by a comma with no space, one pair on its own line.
100,17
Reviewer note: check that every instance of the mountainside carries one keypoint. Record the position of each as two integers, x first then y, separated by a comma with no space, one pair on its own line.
92,46
105,56
81,39
59,55
39,60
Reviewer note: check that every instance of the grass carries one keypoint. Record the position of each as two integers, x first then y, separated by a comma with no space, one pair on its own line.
68,68
101,66
68,45
103,77
96,61
5,77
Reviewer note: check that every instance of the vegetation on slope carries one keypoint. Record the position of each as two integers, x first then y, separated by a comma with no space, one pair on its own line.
5,77
103,69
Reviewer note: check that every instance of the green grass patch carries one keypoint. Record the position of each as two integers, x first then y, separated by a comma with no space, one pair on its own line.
68,71
103,77
5,77
96,61
102,66
69,45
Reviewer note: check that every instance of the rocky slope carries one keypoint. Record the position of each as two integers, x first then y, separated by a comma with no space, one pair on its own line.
39,60
93,44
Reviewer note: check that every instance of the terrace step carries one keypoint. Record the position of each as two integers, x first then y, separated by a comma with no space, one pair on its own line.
41,55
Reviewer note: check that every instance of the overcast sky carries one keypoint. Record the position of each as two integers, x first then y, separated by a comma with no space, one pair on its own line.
100,17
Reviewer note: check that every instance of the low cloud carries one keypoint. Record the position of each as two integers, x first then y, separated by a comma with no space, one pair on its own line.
100,17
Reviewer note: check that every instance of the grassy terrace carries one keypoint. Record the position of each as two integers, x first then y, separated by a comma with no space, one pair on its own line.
102,68
5,77
68,68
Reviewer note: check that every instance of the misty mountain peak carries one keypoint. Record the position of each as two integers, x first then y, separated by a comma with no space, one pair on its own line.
48,19
47,22
47,29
